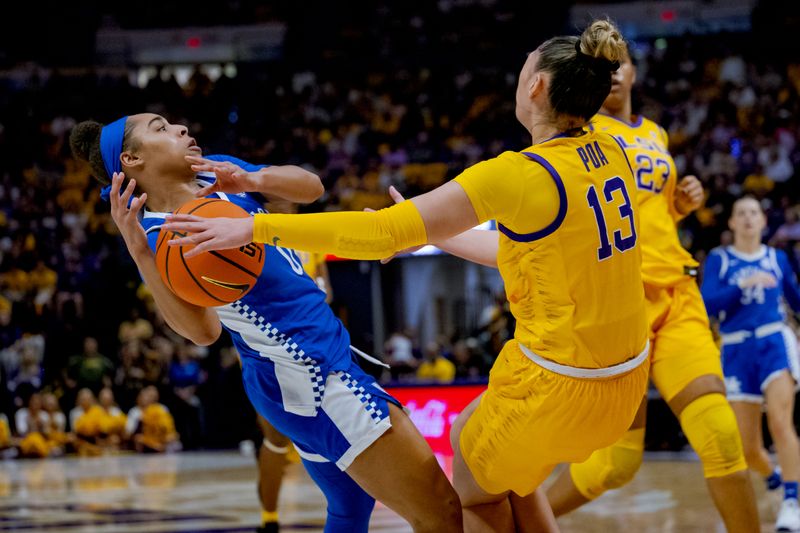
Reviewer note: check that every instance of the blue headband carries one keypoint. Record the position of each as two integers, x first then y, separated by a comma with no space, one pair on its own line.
111,138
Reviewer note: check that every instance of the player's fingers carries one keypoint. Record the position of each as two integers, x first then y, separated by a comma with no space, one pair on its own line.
202,167
395,194
180,227
134,206
197,160
199,249
127,193
195,238
140,201
116,183
182,217
205,191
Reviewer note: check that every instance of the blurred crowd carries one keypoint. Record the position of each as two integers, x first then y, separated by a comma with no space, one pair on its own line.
86,362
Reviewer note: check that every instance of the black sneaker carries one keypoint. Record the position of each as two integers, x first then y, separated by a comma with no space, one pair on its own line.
269,527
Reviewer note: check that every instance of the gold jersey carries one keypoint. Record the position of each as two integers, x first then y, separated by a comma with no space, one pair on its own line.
569,247
665,262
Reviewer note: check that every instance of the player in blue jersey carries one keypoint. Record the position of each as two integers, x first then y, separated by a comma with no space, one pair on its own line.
297,364
747,286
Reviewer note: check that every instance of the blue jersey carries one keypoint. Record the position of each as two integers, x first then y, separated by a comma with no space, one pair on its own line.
283,320
748,309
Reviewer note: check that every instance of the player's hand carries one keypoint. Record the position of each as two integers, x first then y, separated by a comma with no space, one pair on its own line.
210,233
689,195
125,213
397,197
231,178
759,279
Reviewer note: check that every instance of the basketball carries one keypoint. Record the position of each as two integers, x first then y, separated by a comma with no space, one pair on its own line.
212,278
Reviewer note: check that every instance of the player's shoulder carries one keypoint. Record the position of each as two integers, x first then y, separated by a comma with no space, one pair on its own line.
718,252
507,164
780,256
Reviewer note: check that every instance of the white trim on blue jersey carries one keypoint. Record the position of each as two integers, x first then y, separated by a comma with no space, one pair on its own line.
743,311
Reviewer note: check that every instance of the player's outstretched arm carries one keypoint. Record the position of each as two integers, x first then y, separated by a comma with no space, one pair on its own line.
432,217
198,324
286,182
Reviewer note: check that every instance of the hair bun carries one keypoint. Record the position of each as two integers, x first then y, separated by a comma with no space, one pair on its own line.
602,40
598,63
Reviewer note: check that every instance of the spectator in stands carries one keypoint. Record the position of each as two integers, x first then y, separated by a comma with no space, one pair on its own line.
135,328
130,375
113,427
185,376
32,424
56,429
28,370
6,440
400,355
470,362
151,425
85,400
435,367
91,369
89,425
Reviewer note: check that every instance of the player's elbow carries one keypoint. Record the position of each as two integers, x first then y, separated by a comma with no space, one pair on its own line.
315,189
207,335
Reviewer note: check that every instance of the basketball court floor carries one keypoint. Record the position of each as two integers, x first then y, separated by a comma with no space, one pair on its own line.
215,493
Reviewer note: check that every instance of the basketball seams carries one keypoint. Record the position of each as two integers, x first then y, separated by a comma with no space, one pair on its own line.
233,263
200,285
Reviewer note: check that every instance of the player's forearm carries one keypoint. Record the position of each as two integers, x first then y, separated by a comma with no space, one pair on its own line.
288,182
478,246
200,325
354,235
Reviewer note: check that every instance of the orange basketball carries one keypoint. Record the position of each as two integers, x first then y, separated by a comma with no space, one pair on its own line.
212,278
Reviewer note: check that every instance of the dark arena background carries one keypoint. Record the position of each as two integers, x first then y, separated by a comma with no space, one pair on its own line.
366,95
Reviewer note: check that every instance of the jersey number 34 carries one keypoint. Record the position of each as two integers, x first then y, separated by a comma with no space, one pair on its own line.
596,201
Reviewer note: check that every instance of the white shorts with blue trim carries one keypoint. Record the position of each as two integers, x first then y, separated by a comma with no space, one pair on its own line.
353,412
751,360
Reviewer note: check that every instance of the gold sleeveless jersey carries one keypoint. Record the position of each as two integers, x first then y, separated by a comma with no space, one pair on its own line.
569,246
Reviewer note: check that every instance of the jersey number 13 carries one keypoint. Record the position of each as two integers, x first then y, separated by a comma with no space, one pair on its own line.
596,200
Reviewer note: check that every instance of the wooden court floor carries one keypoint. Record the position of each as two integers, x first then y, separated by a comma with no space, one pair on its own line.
215,492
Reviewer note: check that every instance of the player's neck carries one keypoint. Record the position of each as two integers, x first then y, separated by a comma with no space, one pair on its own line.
171,196
624,113
543,130
747,245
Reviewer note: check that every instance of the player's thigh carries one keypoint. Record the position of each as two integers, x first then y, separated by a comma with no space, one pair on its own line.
275,437
683,348
400,470
464,482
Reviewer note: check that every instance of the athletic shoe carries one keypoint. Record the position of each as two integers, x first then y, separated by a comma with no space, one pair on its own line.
788,516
